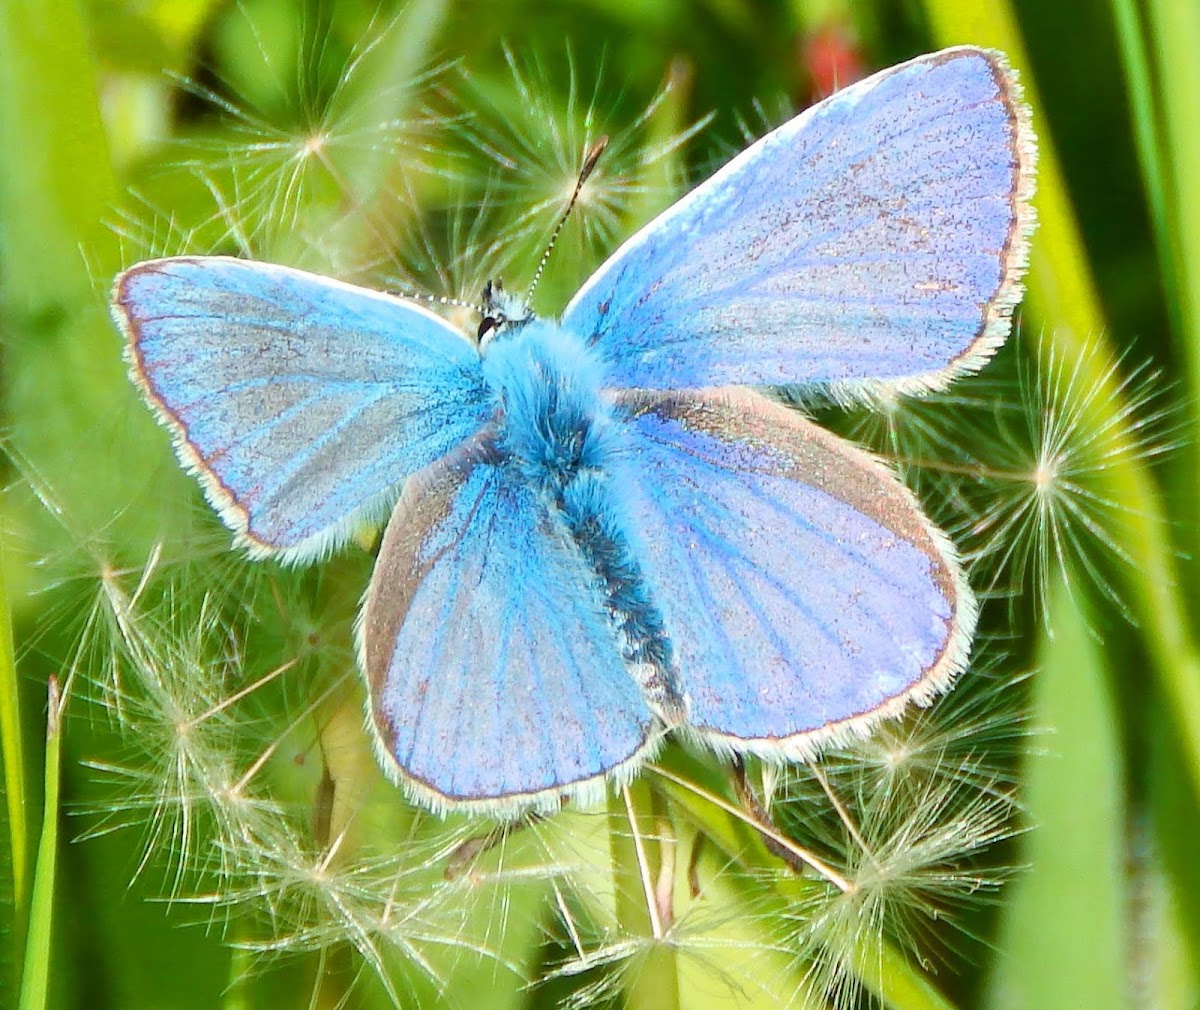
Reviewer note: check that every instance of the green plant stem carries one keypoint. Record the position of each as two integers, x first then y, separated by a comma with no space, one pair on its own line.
35,977
1062,293
241,968
640,855
12,752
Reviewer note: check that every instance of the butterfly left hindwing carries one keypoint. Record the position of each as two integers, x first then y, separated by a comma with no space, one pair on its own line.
496,680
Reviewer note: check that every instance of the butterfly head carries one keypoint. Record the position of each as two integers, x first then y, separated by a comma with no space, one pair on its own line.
502,313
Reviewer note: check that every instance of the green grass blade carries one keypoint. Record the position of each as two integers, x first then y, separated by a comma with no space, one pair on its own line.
1147,132
35,979
11,750
1063,939
57,192
1166,885
1174,33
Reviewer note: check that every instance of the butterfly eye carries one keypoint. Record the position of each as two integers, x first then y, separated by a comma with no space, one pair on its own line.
487,324
493,291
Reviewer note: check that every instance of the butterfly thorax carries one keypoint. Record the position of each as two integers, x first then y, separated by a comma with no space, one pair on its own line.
558,430
552,418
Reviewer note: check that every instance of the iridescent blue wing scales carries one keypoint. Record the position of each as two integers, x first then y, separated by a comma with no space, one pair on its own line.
496,680
804,592
301,402
874,242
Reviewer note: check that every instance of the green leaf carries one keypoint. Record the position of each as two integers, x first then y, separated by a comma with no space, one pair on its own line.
35,978
12,753
1063,939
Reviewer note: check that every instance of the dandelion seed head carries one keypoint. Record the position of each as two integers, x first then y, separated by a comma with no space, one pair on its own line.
1015,463
536,146
301,167
1042,503
316,143
913,817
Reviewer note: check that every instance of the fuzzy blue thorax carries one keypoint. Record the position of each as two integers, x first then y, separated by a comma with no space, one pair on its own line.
554,421
558,430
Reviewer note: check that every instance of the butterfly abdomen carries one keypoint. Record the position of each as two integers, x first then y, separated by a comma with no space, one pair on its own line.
557,430
588,505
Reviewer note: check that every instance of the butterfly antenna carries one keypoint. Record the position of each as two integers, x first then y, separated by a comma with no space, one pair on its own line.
421,296
589,163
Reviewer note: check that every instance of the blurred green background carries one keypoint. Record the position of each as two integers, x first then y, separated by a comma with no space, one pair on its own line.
431,146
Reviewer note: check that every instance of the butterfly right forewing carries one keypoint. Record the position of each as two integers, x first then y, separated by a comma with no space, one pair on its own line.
875,242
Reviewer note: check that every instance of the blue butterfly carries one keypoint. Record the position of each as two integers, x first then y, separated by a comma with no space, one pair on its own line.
600,532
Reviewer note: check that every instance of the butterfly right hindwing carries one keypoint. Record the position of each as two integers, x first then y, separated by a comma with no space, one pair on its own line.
803,591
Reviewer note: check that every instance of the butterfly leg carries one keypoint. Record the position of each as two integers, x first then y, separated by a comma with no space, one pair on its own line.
799,860
463,857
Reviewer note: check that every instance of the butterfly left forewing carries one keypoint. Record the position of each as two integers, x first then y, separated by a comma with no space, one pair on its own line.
803,590
300,402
